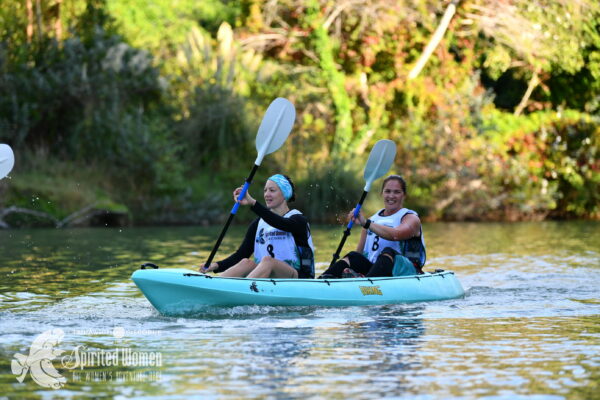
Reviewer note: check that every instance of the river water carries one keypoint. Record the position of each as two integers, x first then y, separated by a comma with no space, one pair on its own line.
73,325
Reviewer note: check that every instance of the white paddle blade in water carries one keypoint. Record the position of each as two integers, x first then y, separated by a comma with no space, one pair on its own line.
275,127
380,160
7,160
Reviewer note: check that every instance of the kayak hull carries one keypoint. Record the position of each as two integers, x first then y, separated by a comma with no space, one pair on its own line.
180,291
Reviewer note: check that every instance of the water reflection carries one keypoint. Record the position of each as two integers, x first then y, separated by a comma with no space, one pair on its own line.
393,338
274,359
398,325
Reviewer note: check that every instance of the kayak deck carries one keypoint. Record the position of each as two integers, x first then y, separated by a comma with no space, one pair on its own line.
179,291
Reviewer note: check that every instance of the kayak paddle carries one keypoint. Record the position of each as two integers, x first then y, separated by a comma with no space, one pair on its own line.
379,162
272,133
7,160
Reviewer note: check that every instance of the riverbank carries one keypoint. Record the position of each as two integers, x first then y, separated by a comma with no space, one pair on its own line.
45,192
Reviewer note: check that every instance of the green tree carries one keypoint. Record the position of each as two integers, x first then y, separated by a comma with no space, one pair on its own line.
88,97
540,41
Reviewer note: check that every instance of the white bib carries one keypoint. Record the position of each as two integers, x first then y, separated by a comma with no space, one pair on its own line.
270,241
374,244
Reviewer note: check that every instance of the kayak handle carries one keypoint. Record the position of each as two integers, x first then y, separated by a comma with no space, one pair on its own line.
149,265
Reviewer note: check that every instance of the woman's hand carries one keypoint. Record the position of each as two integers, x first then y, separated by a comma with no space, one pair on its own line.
247,200
360,219
210,268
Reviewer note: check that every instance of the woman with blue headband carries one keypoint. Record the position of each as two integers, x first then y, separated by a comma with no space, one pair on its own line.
279,238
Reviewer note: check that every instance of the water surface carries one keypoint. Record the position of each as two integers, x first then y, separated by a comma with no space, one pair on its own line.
528,327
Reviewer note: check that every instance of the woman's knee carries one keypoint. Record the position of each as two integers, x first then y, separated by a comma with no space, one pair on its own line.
389,252
266,263
385,256
353,258
267,259
242,268
246,264
246,261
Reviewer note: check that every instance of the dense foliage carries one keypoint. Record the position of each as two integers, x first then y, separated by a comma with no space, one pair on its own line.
160,101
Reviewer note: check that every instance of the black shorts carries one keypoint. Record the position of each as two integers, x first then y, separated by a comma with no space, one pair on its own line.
359,262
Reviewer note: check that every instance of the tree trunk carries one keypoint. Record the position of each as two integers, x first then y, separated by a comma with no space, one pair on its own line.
57,21
435,39
29,7
38,14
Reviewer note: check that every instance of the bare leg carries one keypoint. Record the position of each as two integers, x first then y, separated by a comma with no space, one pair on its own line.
241,269
269,267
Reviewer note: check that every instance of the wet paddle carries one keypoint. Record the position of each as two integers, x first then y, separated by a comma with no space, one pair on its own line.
7,160
272,133
379,162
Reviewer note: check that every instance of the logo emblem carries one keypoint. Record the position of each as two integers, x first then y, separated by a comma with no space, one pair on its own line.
39,360
261,236
370,290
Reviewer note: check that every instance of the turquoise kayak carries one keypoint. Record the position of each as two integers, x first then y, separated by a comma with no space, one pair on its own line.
180,291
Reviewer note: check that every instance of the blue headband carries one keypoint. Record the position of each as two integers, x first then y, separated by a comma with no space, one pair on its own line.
284,185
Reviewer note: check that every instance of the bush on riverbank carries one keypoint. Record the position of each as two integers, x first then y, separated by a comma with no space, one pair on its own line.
158,124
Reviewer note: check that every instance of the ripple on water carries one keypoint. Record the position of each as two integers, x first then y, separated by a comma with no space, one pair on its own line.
528,327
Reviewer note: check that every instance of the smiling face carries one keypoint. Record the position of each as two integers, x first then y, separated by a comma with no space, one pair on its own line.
393,196
273,196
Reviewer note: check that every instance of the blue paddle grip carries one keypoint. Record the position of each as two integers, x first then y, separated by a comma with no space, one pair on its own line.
356,212
240,197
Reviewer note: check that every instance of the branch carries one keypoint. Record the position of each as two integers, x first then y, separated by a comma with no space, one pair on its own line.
337,11
14,209
263,39
364,142
435,39
78,216
75,218
533,82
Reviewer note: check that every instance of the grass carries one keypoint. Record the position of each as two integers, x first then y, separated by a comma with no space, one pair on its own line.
43,183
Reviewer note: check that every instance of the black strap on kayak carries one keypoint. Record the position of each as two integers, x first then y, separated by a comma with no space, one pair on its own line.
200,275
149,266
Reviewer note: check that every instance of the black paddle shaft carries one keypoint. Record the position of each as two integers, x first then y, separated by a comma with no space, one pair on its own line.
231,215
347,232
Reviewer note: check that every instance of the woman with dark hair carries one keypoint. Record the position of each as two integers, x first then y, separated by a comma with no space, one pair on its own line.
279,238
391,242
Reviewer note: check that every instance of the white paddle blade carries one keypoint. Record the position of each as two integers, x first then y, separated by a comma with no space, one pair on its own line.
275,127
7,160
379,162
